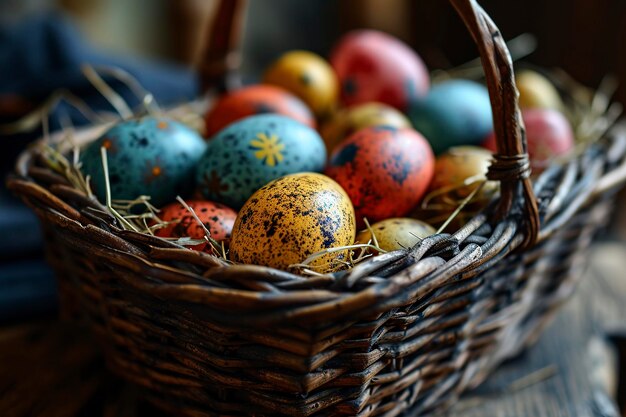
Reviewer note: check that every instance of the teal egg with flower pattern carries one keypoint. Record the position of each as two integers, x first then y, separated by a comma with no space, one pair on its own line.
249,153
152,156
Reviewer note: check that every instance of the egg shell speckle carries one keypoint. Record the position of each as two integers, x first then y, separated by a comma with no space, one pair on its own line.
146,156
256,99
455,113
292,218
396,233
216,217
384,170
254,151
374,66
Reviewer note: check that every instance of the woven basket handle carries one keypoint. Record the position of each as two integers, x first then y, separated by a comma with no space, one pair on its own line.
222,56
511,165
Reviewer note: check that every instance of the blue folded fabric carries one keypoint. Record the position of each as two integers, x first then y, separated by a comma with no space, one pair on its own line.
27,289
39,56
19,231
43,54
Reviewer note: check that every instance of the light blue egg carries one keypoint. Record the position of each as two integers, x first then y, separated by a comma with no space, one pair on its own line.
147,156
251,152
454,113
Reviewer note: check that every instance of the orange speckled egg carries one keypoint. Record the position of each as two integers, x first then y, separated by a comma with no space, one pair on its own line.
348,121
217,218
396,233
256,99
384,170
290,219
459,164
308,76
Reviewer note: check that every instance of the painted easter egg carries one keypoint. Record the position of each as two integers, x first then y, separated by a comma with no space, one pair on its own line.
384,170
151,156
251,152
374,66
349,120
256,99
455,113
308,76
536,91
291,218
461,169
396,233
217,218
548,134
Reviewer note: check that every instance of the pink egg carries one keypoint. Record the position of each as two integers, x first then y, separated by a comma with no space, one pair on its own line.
549,135
374,66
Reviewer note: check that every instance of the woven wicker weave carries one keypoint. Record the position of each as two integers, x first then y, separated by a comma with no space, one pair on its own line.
404,332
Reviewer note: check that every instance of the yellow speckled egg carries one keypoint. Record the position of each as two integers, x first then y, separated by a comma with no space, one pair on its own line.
291,218
308,76
536,91
348,121
396,233
459,164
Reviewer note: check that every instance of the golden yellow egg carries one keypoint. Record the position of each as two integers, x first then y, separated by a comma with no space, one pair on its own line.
291,218
309,76
459,165
396,233
347,121
536,91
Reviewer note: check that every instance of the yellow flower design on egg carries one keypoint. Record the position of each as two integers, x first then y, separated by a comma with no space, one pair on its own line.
269,148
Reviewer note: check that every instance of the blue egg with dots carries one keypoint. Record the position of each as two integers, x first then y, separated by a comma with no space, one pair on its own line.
454,113
251,152
152,156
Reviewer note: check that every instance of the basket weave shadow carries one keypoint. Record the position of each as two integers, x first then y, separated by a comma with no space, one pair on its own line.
405,332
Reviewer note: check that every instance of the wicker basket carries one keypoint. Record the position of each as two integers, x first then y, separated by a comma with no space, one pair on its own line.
404,332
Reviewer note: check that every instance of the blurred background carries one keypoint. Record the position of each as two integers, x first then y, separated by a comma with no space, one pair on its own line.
586,38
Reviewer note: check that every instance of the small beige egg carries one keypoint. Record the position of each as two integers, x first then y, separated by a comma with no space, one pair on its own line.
396,233
462,164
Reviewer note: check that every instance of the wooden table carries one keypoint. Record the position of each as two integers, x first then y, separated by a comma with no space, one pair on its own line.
54,369
573,370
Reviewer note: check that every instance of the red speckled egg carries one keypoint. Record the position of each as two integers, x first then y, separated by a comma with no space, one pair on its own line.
256,99
374,66
217,218
549,134
384,170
